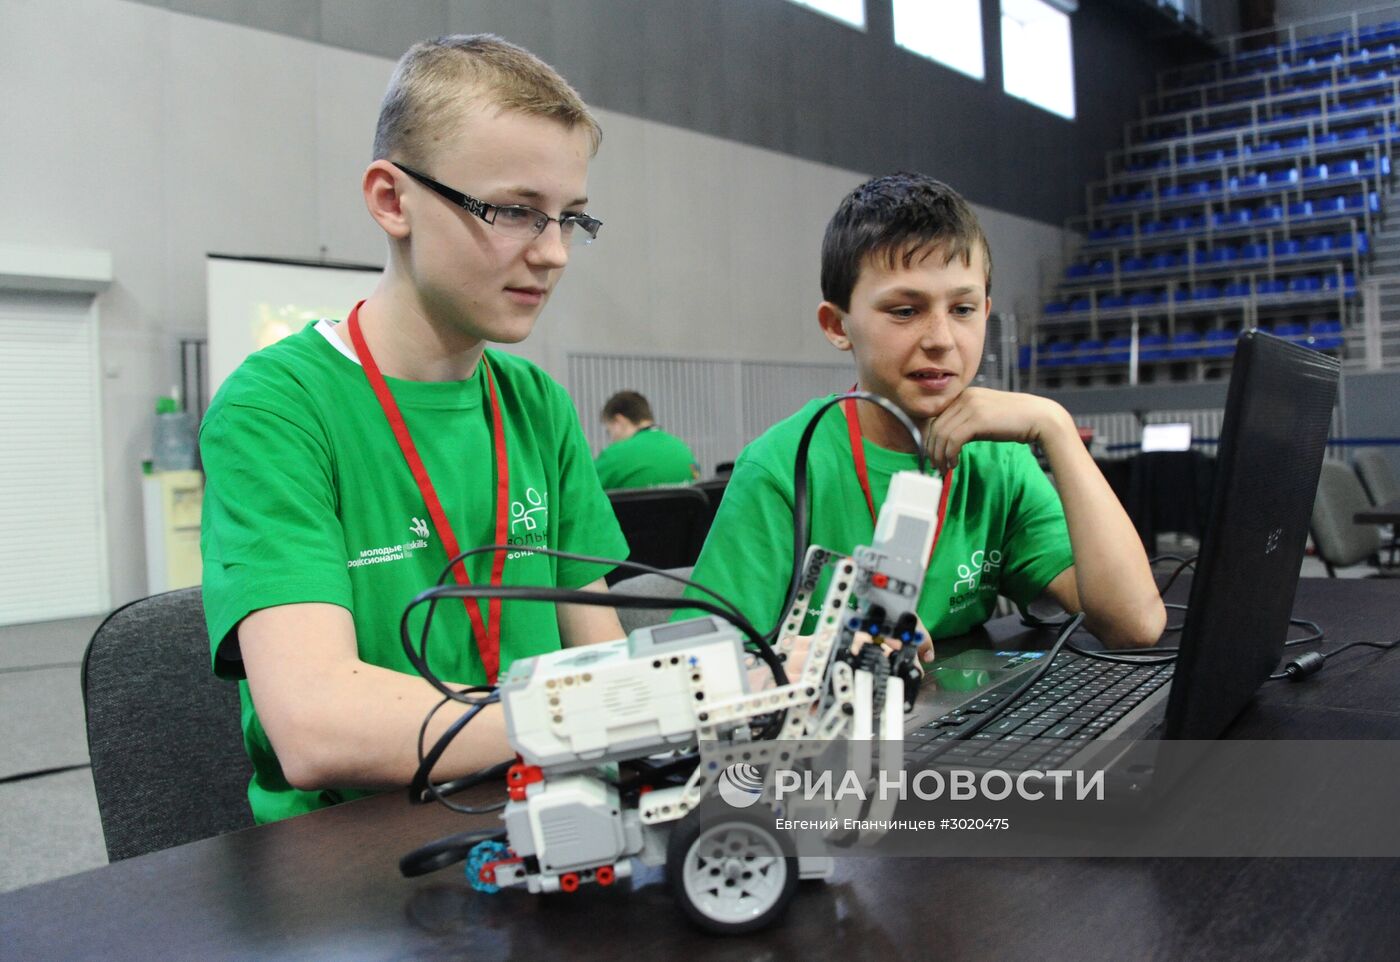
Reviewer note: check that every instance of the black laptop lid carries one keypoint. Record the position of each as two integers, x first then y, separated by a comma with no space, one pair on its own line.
1277,416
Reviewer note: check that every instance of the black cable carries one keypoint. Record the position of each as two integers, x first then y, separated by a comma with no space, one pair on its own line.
421,788
800,494
419,658
595,599
1041,670
1311,662
446,851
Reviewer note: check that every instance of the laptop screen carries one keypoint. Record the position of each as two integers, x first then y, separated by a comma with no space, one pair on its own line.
1277,416
1166,437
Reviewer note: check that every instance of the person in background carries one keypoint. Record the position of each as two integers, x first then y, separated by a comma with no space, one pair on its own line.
641,455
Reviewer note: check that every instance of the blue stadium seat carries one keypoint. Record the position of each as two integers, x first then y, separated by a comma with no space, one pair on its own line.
1170,190
1099,233
1101,266
1118,350
1317,243
1110,302
1153,347
1274,286
1079,304
1160,261
1317,172
1058,354
1300,208
1329,282
1186,345
1289,175
1206,292
1330,204
1345,168
1077,270
1023,357
1307,283
1290,331
1237,289
1132,264
1255,250
1286,246
1143,298
1326,335
1268,212
1219,343
1091,352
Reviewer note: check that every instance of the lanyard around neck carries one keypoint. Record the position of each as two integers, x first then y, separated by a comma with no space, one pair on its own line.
486,627
848,407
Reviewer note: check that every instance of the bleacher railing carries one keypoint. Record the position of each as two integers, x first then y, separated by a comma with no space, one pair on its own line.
1380,345
1343,33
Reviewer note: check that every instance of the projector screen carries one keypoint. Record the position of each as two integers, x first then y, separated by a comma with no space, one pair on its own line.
256,302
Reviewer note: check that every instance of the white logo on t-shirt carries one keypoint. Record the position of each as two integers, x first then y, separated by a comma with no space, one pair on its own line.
981,563
419,527
521,515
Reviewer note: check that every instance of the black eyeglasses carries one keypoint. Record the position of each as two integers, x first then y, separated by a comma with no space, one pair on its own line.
513,220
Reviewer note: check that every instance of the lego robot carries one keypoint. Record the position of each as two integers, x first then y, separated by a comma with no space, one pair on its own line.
620,743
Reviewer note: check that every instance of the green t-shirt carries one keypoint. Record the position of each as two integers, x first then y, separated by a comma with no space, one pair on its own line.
308,499
648,458
1003,532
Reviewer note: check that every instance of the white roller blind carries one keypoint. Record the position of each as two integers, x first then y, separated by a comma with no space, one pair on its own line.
52,555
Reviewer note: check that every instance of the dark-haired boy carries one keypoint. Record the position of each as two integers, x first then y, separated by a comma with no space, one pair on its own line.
319,525
906,287
641,454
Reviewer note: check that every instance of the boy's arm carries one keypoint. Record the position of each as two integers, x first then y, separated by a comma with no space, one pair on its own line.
335,720
1111,580
588,624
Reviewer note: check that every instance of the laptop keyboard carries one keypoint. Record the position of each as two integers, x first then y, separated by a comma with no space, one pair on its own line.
1077,701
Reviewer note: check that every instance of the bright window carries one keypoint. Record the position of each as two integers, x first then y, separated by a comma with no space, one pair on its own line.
847,11
949,31
1037,56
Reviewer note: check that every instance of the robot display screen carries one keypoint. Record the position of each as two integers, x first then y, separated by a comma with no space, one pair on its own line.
682,630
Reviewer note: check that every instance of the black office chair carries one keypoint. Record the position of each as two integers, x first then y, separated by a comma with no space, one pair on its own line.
664,527
1339,540
1382,486
714,492
163,733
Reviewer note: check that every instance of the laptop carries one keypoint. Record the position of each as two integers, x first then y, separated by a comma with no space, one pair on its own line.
1277,417
1166,437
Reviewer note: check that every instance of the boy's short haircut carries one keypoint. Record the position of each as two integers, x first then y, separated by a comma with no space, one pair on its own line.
896,217
436,79
630,405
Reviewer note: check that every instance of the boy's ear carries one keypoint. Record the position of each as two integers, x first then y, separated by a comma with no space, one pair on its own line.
833,322
380,186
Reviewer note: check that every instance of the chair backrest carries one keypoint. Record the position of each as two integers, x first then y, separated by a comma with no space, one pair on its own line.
163,733
648,584
1378,477
664,527
1339,539
714,491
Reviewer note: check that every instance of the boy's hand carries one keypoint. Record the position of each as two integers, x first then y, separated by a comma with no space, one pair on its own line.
982,414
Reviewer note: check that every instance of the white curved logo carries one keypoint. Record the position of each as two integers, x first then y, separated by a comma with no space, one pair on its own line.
981,563
740,784
523,515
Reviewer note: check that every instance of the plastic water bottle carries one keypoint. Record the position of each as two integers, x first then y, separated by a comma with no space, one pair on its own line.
173,444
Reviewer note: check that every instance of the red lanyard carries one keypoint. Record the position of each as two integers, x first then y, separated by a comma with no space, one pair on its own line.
858,456
488,640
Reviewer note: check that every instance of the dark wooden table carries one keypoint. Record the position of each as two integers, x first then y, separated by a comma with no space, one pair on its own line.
326,885
1387,513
